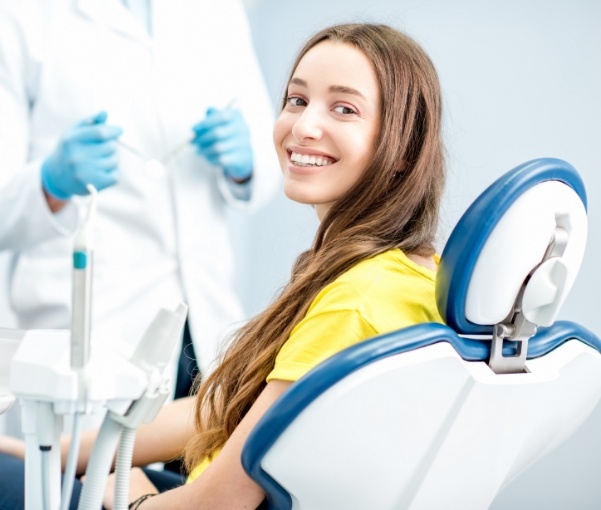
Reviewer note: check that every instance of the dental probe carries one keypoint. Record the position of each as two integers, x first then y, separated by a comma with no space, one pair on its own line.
156,167
173,151
131,149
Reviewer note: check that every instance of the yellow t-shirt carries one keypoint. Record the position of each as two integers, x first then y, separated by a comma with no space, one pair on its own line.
378,295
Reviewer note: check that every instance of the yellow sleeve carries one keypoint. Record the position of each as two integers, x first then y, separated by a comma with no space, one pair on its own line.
316,338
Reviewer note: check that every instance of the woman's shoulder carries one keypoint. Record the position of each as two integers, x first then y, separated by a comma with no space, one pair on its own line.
388,291
392,263
375,278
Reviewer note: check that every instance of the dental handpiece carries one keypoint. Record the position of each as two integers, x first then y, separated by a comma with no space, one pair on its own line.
81,315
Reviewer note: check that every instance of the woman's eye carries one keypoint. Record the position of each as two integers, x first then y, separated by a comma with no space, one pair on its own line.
296,101
345,110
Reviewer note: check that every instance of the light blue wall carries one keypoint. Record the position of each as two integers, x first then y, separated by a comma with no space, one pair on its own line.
521,80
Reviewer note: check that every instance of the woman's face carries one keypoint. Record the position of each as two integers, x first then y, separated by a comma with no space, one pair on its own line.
325,135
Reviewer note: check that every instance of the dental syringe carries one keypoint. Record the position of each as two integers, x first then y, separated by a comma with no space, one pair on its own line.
81,318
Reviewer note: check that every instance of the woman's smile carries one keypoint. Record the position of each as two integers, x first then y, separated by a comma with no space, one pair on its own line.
308,162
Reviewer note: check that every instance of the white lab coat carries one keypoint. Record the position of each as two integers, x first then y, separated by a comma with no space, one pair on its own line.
157,240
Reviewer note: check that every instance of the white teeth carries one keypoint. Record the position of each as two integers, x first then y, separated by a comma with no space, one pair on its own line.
307,160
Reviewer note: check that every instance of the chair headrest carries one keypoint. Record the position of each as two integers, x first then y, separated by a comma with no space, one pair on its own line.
523,237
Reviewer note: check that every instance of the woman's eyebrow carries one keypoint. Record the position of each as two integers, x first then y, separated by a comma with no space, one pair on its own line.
342,89
298,81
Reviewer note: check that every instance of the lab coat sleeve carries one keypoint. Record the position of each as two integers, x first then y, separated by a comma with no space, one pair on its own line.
256,107
26,219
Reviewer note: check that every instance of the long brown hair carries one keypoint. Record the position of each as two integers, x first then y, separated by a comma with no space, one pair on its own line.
395,205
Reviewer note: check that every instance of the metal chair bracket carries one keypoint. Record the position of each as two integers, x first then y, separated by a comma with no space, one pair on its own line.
518,330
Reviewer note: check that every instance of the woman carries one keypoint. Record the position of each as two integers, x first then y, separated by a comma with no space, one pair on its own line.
359,138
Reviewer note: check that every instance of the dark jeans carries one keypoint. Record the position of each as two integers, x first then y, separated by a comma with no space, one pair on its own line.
12,483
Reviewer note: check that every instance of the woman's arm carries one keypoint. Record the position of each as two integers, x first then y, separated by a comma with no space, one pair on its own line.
166,437
224,484
162,440
12,446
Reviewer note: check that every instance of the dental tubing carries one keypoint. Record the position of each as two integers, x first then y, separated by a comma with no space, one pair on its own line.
122,468
99,465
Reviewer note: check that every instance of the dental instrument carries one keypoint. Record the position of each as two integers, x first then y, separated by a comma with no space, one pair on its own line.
131,149
155,167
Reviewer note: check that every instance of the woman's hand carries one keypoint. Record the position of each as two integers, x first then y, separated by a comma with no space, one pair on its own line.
12,446
139,484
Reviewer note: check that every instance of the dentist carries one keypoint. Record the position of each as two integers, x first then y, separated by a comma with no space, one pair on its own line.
133,97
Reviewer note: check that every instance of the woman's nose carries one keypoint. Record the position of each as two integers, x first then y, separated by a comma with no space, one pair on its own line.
308,125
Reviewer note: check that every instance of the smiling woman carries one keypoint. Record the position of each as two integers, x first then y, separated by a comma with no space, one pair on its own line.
325,135
359,137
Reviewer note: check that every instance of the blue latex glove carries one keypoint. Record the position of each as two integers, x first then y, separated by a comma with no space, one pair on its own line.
86,154
222,137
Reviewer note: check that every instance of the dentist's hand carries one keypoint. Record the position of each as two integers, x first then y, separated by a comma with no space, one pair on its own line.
224,140
86,154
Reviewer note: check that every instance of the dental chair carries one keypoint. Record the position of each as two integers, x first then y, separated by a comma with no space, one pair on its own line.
444,416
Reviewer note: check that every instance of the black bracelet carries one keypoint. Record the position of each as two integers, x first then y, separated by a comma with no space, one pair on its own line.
135,504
